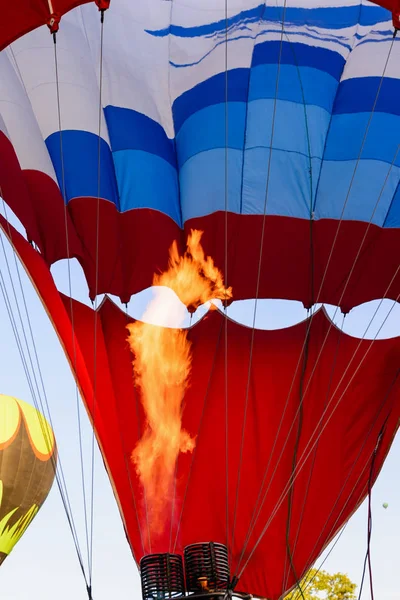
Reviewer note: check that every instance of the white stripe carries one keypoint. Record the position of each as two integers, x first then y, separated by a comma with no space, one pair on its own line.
78,76
20,122
368,60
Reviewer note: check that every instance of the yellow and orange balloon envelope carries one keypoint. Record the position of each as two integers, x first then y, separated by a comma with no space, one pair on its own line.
28,455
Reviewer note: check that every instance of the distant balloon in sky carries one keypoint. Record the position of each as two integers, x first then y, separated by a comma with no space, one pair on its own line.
27,468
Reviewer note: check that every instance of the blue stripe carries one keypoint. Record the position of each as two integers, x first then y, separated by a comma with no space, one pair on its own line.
369,181
150,182
205,130
131,130
147,181
347,132
393,216
326,18
247,16
297,84
291,131
202,181
80,151
211,91
288,184
329,17
372,15
302,59
359,95
294,53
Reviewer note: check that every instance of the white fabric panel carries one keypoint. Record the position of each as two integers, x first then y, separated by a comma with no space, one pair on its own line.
136,70
3,127
78,81
369,59
20,123
187,13
239,56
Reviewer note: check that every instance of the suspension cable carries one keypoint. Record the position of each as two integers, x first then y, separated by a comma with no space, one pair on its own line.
74,348
60,480
367,560
100,114
309,582
226,232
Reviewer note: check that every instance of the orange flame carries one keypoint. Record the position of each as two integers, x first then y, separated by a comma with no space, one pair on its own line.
162,366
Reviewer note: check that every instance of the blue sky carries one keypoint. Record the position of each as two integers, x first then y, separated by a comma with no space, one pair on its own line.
43,566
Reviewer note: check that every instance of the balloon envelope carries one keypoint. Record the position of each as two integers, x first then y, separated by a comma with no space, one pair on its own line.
274,129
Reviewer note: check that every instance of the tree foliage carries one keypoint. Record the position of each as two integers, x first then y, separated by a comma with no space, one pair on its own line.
320,585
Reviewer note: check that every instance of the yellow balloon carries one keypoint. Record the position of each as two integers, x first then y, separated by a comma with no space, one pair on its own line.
28,456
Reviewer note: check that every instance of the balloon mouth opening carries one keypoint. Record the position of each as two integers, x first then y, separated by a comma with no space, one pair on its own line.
203,571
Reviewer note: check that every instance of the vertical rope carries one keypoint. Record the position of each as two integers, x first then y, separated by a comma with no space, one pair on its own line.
60,480
226,394
64,195
367,560
100,112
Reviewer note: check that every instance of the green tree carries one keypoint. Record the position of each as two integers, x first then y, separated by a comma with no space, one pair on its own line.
320,585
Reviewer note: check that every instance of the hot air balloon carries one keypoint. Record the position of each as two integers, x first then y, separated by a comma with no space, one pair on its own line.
273,129
27,468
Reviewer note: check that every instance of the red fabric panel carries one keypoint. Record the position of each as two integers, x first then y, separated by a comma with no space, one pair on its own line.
392,5
134,245
50,218
36,200
21,16
13,188
349,409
